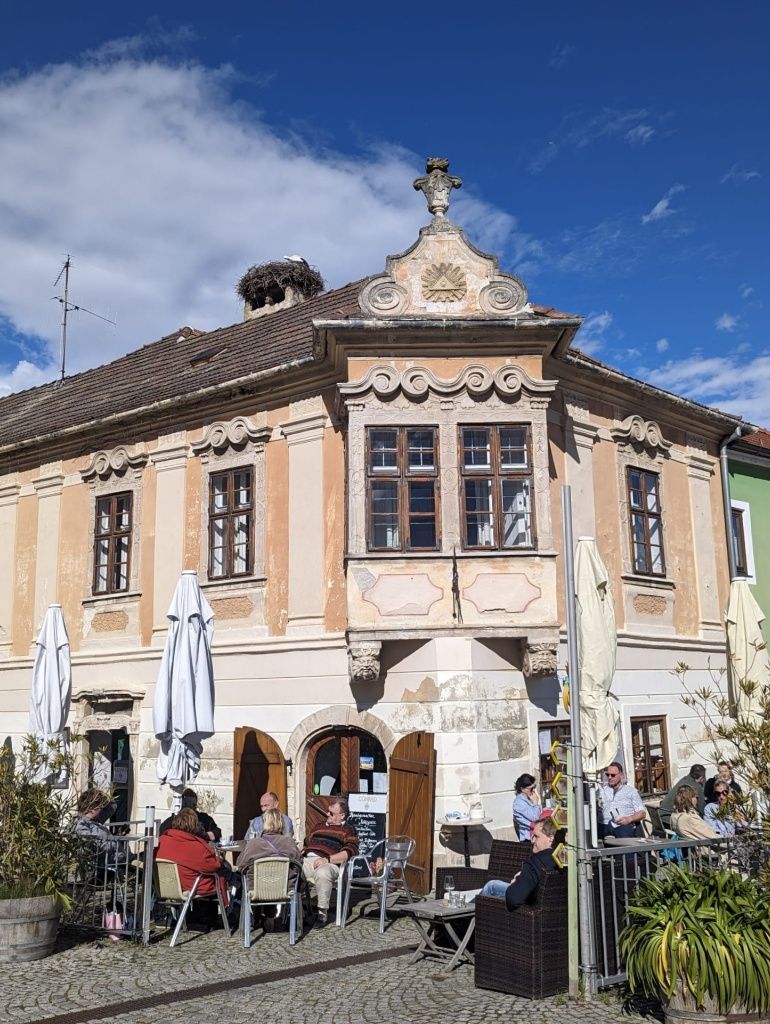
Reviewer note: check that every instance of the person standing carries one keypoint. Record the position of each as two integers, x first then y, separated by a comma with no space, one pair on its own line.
326,849
694,779
268,802
621,806
526,807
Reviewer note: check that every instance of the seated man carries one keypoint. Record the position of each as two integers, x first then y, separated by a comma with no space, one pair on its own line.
207,827
621,806
520,889
326,848
268,802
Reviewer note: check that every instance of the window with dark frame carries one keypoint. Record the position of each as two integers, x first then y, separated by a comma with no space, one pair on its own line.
112,543
739,542
547,734
402,489
650,752
645,522
231,521
496,498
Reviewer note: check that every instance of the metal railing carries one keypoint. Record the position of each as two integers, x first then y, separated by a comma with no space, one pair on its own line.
111,885
615,871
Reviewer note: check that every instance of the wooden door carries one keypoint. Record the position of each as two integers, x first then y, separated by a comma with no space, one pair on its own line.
334,768
412,798
259,767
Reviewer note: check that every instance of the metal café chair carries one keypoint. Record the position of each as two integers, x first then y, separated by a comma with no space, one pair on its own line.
168,889
381,870
270,886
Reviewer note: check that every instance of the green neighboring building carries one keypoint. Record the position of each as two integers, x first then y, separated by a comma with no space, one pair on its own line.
749,467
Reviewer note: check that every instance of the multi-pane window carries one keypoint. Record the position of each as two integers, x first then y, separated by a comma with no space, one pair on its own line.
648,741
231,513
402,472
645,522
549,733
739,542
496,471
112,543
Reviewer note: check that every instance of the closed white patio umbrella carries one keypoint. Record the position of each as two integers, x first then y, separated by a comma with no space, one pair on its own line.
747,655
183,709
51,685
597,639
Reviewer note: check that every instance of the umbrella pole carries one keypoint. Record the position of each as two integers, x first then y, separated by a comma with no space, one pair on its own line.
577,826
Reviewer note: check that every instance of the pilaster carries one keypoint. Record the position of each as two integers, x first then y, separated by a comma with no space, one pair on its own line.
9,500
169,461
700,469
48,487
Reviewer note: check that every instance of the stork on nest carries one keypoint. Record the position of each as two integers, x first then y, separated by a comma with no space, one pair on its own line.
266,284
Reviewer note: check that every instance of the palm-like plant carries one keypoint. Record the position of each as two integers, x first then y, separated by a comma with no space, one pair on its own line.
699,937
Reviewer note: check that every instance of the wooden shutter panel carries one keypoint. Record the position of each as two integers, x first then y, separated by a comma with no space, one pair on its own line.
411,801
259,767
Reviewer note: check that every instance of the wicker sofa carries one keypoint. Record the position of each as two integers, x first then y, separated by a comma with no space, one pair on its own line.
505,859
524,952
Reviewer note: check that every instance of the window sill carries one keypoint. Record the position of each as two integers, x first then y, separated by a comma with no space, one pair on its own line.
476,553
241,583
126,595
656,582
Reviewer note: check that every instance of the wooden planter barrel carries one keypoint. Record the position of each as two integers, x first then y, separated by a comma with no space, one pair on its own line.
28,928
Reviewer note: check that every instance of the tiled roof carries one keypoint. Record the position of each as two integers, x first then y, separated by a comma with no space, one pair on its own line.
760,438
174,367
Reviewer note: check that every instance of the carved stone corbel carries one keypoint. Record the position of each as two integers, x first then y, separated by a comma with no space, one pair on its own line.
539,658
364,661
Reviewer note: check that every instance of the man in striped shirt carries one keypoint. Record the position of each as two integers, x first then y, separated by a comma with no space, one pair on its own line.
326,849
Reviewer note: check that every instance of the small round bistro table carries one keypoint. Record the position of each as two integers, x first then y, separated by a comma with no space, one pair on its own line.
464,824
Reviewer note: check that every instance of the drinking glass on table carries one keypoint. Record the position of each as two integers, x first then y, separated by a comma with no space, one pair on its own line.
449,887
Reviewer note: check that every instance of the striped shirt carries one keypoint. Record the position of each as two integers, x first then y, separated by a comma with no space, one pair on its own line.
619,803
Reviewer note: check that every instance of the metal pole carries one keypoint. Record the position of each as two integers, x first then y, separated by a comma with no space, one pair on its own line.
585,905
573,927
147,862
64,316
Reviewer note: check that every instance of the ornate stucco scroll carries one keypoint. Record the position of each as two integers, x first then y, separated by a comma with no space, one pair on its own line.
114,462
418,381
236,433
637,431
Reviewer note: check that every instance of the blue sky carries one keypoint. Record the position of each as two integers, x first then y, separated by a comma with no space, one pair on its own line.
614,156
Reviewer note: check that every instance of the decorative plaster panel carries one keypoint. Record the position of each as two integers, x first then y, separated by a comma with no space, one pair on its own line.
403,594
506,592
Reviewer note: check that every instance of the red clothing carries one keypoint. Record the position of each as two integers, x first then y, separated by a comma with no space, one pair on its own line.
193,855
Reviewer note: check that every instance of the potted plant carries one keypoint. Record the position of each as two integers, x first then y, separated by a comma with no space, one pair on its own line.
38,849
699,943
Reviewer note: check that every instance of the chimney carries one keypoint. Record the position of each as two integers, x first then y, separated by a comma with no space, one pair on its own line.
268,287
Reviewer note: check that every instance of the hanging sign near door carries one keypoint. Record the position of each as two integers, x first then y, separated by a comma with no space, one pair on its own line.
367,812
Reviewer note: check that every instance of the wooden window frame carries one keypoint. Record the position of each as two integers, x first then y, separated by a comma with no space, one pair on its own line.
497,473
546,768
404,476
647,516
648,769
112,534
228,514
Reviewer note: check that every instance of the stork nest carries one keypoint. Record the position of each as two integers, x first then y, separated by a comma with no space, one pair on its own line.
264,279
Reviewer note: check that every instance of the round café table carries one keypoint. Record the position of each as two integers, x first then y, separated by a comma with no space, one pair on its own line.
464,824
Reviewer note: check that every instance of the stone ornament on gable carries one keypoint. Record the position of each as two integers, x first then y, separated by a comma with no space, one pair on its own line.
115,462
436,185
443,282
417,382
635,430
364,661
237,433
539,659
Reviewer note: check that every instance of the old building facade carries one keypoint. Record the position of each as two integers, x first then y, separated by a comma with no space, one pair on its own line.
367,483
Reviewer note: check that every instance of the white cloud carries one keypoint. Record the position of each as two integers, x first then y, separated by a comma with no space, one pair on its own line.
560,55
640,135
746,290
726,322
735,386
661,344
593,334
166,190
740,174
663,207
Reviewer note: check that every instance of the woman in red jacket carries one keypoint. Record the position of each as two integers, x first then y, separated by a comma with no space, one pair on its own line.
182,844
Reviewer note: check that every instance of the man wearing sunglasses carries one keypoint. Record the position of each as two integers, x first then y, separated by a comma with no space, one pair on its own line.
622,807
326,849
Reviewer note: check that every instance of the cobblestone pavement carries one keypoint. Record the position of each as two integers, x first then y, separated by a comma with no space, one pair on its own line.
271,982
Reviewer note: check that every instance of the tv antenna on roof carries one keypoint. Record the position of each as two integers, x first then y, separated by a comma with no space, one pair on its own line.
70,307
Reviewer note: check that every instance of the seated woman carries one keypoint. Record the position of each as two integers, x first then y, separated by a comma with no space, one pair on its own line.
722,815
520,889
182,844
685,820
92,805
272,843
526,807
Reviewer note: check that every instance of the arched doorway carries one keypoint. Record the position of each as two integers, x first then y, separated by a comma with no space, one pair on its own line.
258,767
341,761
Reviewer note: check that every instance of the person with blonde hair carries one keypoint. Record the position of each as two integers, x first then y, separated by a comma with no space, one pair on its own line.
91,806
273,842
685,820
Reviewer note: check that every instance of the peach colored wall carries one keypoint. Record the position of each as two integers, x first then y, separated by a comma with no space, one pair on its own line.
147,554
74,557
192,516
449,366
277,536
556,452
720,539
678,551
335,612
24,602
608,527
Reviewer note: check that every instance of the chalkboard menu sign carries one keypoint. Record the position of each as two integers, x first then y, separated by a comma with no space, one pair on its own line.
367,812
